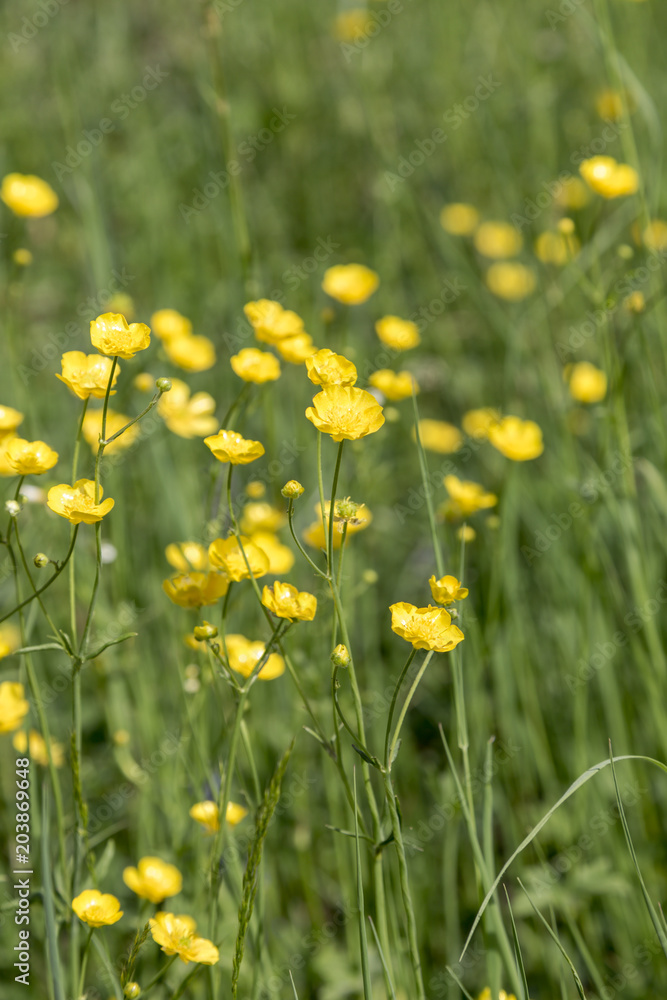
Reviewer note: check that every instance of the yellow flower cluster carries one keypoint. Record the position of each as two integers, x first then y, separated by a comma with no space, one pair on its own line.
184,349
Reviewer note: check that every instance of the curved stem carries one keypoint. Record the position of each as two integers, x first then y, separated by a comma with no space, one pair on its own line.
406,705
437,551
394,699
332,508
40,590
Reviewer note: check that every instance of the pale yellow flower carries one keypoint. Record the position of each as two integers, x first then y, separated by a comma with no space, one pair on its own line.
399,334
497,240
187,415
459,219
350,284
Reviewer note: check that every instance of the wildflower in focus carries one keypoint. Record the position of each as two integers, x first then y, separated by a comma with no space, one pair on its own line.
169,324
476,423
556,248
97,909
204,631
196,590
244,655
510,281
192,354
92,429
520,440
153,879
228,446
466,497
13,706
111,334
297,349
186,415
393,385
87,374
271,322
185,556
459,219
77,502
10,419
399,334
281,557
34,744
608,178
230,555
29,196
498,240
253,365
447,589
292,489
285,601
176,936
587,383
341,656
426,628
208,814
350,284
345,412
10,639
326,368
439,436
30,458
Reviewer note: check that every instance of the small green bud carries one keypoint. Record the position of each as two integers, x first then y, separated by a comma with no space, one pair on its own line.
41,560
163,384
205,631
341,656
132,991
13,508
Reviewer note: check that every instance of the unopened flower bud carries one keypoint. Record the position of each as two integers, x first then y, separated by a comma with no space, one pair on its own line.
340,656
41,560
13,508
205,631
131,991
292,489
163,384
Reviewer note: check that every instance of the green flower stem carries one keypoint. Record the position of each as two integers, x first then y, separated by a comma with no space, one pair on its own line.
40,590
437,550
332,508
406,706
405,887
84,962
72,570
24,562
313,565
390,717
339,577
154,401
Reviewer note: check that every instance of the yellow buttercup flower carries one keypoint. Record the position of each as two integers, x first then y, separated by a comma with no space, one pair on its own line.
261,516
466,497
353,24
510,280
192,354
30,458
486,995
271,322
345,412
176,936
229,446
77,502
399,334
609,105
92,428
10,639
169,324
498,240
476,423
285,601
244,656
466,533
228,554
608,178
186,556
196,590
34,744
208,814
520,440
572,194
439,436
350,284
111,334
326,368
253,365
447,589
281,557
459,219
394,385
635,302
13,706
255,489
295,350
587,383
87,374
9,421
426,628
186,415
153,879
556,248
97,909
28,196
654,235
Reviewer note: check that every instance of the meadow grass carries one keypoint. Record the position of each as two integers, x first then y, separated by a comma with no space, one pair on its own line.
205,156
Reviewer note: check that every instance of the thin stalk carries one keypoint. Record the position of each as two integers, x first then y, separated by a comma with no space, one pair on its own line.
390,717
437,551
406,706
